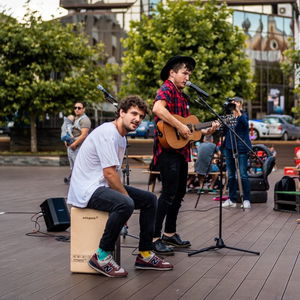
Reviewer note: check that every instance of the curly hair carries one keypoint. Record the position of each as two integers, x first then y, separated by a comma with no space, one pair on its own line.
132,100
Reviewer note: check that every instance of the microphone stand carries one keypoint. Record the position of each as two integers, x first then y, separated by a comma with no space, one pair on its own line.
219,241
126,174
126,170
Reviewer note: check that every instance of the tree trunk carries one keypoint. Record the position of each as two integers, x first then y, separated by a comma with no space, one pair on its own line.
33,137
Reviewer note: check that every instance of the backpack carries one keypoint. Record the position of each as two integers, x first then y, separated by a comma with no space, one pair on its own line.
286,184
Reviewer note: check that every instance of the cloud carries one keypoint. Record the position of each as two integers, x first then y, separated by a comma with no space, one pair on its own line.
46,8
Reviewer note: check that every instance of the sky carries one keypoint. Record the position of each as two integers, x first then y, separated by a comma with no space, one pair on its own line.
46,8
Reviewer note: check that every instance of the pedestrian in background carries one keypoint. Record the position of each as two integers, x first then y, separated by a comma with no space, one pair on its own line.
81,128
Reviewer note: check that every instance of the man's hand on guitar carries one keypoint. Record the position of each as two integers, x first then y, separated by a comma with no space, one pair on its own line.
214,126
184,131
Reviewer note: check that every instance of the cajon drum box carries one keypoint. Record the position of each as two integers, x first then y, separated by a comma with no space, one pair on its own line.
87,227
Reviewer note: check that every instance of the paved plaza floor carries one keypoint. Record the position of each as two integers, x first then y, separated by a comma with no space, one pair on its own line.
38,267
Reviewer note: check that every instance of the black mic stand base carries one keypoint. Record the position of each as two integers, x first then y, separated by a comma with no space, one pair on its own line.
124,233
219,245
219,241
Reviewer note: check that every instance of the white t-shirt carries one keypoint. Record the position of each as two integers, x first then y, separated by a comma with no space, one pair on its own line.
102,148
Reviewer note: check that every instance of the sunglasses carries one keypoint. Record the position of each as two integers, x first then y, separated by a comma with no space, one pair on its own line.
78,107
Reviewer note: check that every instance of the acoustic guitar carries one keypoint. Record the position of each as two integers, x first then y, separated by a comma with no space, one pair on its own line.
169,137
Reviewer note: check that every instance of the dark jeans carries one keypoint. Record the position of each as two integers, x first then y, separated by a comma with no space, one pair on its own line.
120,208
232,180
173,171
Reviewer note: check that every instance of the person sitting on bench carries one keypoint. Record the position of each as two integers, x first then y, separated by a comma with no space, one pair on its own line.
206,162
96,184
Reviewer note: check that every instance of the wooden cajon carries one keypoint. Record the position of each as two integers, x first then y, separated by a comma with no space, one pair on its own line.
87,227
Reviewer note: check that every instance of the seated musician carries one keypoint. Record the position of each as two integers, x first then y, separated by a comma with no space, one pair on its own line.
96,184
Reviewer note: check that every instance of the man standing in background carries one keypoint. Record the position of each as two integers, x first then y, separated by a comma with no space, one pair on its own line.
81,128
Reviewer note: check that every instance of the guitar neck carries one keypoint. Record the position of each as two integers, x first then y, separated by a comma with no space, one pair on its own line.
202,125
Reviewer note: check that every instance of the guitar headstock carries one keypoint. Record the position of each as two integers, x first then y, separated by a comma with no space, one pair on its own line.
229,120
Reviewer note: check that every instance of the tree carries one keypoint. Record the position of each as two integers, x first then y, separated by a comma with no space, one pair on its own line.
291,67
45,67
195,29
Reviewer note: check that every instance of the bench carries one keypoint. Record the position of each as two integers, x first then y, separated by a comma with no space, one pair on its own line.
285,205
152,179
144,159
87,227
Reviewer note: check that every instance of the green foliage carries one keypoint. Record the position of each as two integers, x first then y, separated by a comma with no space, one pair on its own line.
46,66
195,29
291,67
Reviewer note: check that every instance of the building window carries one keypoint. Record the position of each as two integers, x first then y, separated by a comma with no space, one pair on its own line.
152,5
267,39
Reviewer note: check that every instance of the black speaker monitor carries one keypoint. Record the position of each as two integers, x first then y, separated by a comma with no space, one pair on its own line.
56,214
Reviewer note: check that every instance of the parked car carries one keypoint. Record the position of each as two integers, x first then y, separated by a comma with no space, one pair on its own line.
258,129
145,130
6,128
151,126
282,126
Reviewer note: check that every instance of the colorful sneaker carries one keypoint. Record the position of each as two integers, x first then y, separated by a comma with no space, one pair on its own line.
152,263
228,203
107,267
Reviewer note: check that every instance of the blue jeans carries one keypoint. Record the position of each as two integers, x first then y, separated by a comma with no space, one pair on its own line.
232,178
120,208
72,156
173,171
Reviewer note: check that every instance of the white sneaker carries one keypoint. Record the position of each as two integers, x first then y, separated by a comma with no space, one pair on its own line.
246,204
228,203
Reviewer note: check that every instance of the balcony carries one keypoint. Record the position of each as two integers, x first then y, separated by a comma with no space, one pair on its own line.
83,4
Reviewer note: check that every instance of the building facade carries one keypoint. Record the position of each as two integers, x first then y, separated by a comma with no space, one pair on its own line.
270,27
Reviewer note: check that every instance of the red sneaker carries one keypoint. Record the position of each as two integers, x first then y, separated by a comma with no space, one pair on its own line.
152,263
107,267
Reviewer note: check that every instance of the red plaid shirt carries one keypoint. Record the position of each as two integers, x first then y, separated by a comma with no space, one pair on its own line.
177,103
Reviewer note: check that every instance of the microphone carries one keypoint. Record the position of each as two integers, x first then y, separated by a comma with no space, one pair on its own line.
197,89
107,94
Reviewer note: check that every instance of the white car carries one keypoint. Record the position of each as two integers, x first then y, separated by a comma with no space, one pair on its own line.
282,127
258,130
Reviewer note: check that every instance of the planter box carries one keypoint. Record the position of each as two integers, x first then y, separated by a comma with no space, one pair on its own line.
33,160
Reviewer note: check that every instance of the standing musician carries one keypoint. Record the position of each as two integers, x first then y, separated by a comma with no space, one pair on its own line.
173,164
